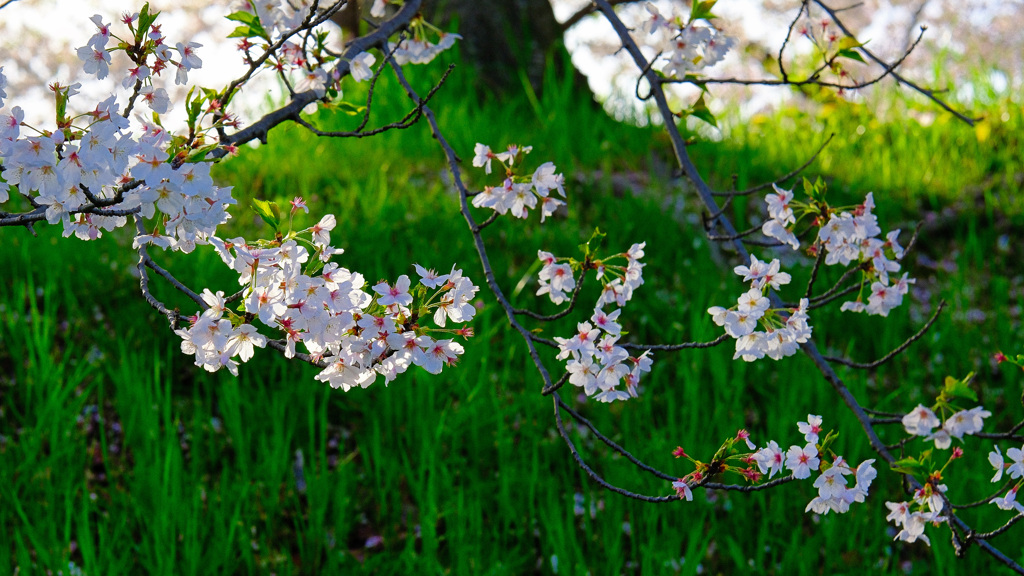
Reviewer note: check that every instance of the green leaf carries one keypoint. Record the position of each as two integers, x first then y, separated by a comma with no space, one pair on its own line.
830,439
200,154
701,112
851,54
268,211
193,107
246,32
702,10
593,243
244,17
909,465
146,19
347,108
848,42
808,187
960,388
315,265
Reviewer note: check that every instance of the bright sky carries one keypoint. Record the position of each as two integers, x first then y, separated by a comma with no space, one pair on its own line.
38,38
24,30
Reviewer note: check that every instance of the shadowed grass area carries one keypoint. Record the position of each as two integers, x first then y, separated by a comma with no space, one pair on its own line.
120,456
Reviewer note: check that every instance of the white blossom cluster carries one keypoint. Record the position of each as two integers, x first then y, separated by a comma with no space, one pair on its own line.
360,334
922,420
280,18
689,46
421,51
930,499
596,362
848,238
1015,470
834,491
94,171
782,335
95,59
97,154
912,524
518,197
417,49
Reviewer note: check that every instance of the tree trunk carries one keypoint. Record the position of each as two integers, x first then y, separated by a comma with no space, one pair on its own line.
505,41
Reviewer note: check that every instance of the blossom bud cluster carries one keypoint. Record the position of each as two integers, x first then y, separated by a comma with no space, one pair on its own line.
922,420
834,491
782,335
359,334
848,238
690,46
518,195
596,362
822,32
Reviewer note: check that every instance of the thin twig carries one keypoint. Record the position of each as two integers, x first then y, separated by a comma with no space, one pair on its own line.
568,309
792,173
906,344
930,94
673,347
590,471
612,444
986,500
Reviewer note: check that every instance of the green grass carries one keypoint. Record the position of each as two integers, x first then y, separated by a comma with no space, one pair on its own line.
122,457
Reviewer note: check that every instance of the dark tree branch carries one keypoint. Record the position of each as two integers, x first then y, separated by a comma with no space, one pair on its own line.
584,12
704,193
261,128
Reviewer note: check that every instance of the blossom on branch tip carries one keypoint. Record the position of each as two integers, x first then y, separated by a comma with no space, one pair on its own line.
1016,456
556,280
769,459
683,491
801,461
397,294
811,428
95,61
430,278
778,206
914,524
920,421
931,494
745,436
1009,501
361,66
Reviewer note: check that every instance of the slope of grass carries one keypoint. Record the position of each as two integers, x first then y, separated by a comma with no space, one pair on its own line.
119,456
